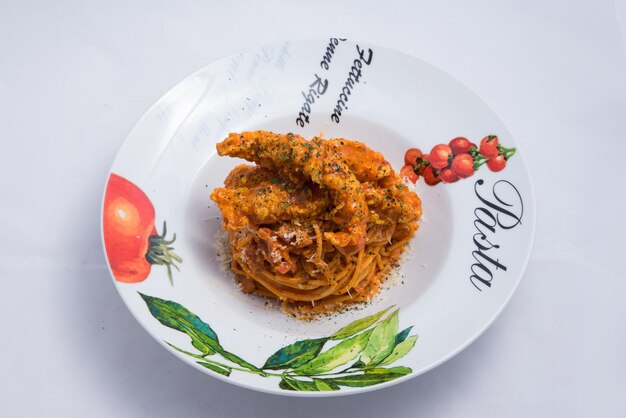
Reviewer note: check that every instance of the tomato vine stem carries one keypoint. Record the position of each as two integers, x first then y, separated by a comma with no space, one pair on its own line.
162,253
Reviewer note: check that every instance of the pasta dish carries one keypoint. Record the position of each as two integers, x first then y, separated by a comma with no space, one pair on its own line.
317,224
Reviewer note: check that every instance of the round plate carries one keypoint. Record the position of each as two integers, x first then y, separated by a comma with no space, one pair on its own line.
465,260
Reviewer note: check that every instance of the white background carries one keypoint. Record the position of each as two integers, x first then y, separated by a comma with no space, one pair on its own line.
74,79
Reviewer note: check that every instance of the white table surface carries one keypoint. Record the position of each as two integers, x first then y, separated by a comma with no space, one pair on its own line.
76,76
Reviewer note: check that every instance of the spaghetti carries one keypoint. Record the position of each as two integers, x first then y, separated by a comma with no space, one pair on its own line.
317,224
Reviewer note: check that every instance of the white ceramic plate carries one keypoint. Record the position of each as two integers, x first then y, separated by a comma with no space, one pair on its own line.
466,260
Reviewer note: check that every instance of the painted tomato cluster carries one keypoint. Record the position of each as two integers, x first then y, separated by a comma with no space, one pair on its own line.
131,240
459,159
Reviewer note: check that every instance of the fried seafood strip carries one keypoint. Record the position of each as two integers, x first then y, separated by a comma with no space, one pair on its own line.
254,196
297,159
384,190
391,200
364,162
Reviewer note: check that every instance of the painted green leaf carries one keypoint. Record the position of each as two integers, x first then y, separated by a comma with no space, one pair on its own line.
403,334
202,347
155,305
358,365
295,355
324,385
336,356
400,350
382,341
368,379
314,385
176,316
397,370
185,351
223,370
288,383
358,325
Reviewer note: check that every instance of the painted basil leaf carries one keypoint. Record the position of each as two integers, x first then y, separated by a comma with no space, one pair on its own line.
358,325
314,385
176,316
400,350
397,370
325,385
295,355
223,370
358,365
372,342
403,334
336,356
368,379
202,347
297,385
382,341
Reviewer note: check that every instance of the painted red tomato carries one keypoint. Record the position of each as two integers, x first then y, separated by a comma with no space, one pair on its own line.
497,164
447,175
411,156
463,165
430,176
130,238
489,146
460,145
407,171
440,156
